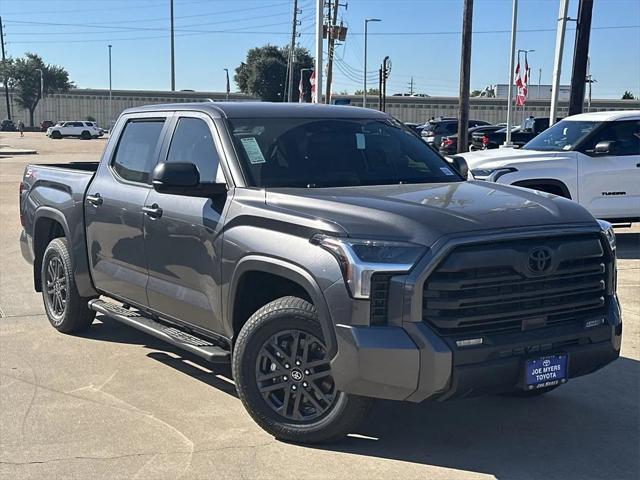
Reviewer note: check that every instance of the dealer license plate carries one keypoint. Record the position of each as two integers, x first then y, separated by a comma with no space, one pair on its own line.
546,371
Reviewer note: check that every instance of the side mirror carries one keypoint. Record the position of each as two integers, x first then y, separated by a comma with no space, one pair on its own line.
183,178
605,147
460,164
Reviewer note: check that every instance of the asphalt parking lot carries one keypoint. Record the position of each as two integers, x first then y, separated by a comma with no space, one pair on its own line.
115,403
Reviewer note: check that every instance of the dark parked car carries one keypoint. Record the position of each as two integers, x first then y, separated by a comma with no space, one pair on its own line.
8,126
519,135
449,144
433,131
46,124
328,254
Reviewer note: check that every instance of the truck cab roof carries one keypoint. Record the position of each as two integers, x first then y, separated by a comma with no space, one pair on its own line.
265,110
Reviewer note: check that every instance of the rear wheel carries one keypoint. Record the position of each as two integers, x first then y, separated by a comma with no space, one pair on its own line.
66,309
86,135
283,376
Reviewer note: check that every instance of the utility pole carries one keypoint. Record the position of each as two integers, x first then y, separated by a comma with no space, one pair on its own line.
557,60
228,85
380,75
465,76
110,94
4,80
173,57
512,53
539,80
333,19
589,81
386,69
364,88
44,112
317,98
292,52
411,86
580,55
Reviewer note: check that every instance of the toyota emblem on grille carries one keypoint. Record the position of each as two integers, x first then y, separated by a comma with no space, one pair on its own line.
540,260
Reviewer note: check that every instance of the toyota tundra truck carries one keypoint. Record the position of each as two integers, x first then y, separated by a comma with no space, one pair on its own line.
328,255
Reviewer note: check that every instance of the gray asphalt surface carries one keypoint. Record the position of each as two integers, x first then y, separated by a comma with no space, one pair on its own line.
115,403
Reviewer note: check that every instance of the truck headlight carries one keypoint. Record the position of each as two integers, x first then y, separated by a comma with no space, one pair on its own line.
359,259
491,174
607,229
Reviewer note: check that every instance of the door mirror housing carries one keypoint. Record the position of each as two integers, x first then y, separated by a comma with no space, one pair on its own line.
605,147
460,164
183,178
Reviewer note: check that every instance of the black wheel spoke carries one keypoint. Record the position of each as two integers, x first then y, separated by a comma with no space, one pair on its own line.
316,376
285,401
318,363
320,393
270,376
296,407
272,387
312,400
295,345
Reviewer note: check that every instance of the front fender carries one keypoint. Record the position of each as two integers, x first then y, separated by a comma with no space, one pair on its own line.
290,271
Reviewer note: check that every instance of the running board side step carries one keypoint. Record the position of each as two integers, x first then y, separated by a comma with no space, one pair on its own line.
179,338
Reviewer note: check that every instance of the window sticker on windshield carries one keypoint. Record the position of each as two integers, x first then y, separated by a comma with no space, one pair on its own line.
252,148
360,144
446,171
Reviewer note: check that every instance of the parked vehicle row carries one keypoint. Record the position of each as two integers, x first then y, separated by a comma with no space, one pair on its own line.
592,158
329,255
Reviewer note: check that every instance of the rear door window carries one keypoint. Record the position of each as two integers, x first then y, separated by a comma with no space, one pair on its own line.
137,149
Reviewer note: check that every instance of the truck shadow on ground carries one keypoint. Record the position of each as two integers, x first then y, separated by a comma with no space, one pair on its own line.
628,245
586,429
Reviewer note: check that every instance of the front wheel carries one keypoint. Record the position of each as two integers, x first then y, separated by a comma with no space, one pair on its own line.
283,376
66,309
56,135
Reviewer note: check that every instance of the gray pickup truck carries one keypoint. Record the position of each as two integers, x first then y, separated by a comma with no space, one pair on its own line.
327,254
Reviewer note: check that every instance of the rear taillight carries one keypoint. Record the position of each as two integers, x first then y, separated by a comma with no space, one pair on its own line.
485,140
447,142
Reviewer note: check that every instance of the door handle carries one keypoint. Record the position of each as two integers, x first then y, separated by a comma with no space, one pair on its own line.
154,211
95,199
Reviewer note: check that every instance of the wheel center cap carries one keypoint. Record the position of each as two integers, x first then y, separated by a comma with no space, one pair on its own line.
296,375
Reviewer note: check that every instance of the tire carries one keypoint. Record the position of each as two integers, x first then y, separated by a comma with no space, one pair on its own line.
56,135
85,135
66,309
305,409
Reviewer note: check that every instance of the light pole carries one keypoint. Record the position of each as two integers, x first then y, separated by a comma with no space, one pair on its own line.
228,86
364,93
110,94
44,112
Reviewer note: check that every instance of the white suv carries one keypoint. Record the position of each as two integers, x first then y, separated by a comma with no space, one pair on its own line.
84,130
592,158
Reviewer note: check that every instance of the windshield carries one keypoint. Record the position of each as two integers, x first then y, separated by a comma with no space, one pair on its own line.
564,135
278,152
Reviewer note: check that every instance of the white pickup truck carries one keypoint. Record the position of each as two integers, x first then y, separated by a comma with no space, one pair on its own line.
592,158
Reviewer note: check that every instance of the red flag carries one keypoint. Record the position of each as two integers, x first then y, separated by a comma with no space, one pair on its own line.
312,81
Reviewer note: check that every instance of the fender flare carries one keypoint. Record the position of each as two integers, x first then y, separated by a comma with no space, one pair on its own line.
542,181
290,271
51,214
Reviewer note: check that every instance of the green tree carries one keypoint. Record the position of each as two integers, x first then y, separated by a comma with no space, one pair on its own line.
23,76
476,93
627,95
264,72
370,91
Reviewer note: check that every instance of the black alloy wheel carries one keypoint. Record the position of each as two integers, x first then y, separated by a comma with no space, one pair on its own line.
293,376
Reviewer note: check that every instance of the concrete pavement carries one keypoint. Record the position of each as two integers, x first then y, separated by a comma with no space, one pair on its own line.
115,403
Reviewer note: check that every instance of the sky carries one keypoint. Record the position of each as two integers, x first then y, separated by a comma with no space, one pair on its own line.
421,37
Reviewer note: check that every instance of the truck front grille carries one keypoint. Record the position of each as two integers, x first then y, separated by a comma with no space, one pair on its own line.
488,288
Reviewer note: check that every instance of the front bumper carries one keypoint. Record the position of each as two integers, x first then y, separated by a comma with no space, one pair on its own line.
413,363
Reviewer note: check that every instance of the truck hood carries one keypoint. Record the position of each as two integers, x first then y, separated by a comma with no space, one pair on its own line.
423,213
508,156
